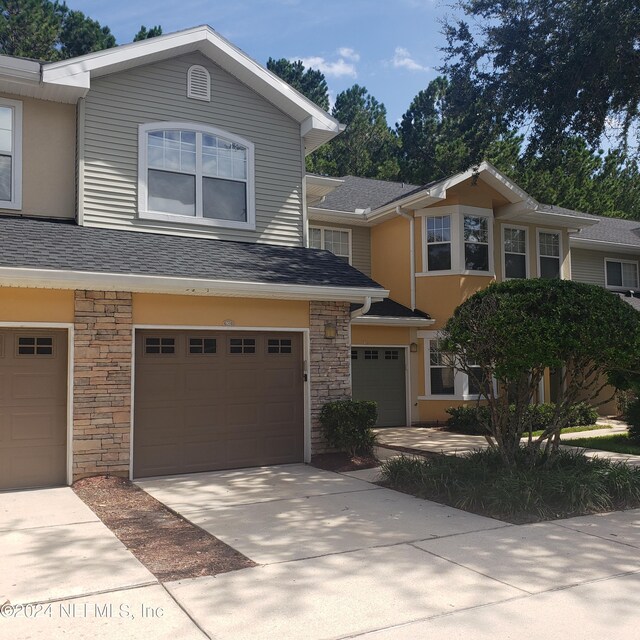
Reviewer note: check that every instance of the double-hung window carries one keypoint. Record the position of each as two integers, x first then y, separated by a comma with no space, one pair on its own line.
549,254
441,371
338,241
476,243
439,243
515,252
198,174
10,154
621,274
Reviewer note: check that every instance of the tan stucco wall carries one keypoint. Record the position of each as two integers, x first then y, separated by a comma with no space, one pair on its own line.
383,336
390,258
151,308
35,305
48,158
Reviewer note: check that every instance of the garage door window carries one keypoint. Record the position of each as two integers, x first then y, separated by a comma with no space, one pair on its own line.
279,345
242,345
159,346
35,346
392,354
370,355
354,354
202,346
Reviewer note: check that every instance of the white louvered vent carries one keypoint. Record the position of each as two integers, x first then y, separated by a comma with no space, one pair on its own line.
198,83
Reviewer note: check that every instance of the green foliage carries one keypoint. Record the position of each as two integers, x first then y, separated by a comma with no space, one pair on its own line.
475,419
348,425
49,31
567,485
558,67
309,82
514,330
632,416
617,442
145,34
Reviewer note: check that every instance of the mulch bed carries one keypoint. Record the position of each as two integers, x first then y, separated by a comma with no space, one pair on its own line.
171,547
342,462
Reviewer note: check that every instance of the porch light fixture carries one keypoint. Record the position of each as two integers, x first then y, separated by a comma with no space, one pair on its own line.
330,330
413,347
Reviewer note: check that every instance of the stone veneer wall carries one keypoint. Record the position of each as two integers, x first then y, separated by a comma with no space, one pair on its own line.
330,365
102,383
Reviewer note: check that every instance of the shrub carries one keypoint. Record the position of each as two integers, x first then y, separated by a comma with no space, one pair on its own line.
473,420
632,416
568,484
348,425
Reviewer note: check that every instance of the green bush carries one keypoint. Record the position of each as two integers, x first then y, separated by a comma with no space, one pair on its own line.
348,425
568,484
473,420
632,416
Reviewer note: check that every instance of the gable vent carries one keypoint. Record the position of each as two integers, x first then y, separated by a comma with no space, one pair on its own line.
198,83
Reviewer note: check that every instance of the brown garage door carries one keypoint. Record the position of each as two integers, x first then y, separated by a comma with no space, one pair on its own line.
216,400
33,408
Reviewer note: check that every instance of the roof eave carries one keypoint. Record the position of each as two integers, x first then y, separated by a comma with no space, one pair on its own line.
603,245
393,321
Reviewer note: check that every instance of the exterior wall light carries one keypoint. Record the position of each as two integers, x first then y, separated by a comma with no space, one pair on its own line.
330,330
413,347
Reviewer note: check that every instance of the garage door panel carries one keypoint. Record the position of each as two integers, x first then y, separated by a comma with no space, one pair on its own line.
235,409
36,426
37,387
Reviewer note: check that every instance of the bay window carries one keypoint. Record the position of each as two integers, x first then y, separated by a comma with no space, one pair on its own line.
198,174
439,243
549,254
621,274
441,371
514,242
476,243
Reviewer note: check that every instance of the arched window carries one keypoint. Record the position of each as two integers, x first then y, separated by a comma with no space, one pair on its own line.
195,173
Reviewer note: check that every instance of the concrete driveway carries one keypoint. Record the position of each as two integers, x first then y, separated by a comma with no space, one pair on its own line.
67,575
342,558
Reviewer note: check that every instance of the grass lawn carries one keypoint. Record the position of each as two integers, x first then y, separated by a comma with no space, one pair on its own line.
531,491
618,443
590,427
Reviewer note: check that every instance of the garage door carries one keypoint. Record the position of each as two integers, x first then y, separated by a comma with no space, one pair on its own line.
217,400
33,408
378,373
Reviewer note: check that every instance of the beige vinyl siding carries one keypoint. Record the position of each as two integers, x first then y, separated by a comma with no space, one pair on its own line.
360,244
118,103
588,266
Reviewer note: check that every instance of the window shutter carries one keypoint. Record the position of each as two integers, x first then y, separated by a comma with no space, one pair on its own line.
198,83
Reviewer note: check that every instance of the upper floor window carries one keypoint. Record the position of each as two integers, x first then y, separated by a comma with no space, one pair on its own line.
439,243
338,241
515,252
195,174
476,243
621,273
549,254
10,154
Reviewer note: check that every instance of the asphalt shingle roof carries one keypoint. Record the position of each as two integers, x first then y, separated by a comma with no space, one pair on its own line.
616,230
363,193
41,244
391,309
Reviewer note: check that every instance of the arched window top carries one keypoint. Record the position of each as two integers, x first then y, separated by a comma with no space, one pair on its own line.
198,83
198,172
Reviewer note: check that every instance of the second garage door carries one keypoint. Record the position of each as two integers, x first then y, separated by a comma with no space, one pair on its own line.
206,401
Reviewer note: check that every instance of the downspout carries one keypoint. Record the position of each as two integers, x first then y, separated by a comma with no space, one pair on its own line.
412,253
363,309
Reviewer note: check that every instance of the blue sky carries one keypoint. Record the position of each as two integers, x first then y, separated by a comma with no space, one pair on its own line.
389,46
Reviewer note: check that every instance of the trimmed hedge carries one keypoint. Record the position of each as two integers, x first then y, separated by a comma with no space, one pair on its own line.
473,420
348,425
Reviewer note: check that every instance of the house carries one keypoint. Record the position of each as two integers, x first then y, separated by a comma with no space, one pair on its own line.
160,311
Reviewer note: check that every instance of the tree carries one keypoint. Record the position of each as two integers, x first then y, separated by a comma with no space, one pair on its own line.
367,148
145,34
49,31
505,337
564,66
309,82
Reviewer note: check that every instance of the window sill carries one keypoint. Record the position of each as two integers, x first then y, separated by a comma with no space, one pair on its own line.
451,272
449,398
14,206
195,221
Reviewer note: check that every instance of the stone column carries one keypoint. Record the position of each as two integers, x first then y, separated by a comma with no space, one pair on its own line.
102,383
330,362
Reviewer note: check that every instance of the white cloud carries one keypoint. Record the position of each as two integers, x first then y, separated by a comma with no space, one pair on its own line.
402,60
343,66
349,53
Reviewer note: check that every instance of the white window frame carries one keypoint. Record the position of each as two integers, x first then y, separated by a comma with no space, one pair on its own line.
453,231
526,245
457,214
198,220
622,286
460,379
322,242
16,155
560,247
